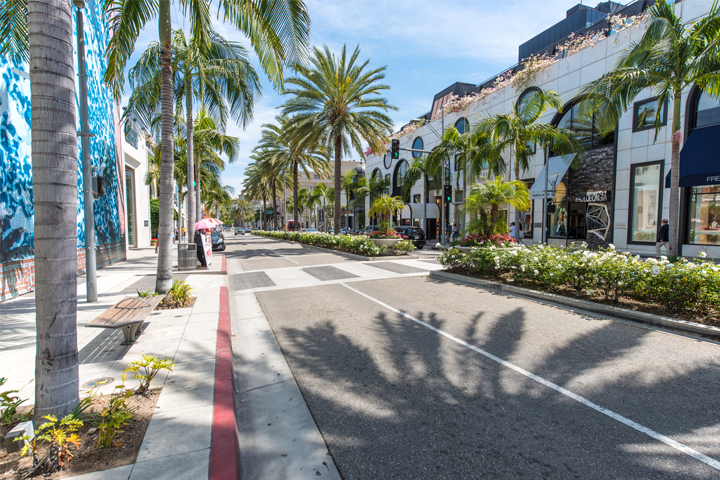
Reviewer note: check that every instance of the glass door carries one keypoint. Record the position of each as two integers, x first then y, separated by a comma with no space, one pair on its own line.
130,201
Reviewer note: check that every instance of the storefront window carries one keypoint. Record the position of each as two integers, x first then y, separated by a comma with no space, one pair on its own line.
704,215
557,221
526,217
646,199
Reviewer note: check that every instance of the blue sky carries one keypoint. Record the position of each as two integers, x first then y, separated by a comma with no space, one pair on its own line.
425,45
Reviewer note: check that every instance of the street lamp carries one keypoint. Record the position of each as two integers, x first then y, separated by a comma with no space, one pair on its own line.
84,134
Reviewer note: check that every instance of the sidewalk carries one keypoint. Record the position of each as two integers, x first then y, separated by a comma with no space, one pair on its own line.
177,443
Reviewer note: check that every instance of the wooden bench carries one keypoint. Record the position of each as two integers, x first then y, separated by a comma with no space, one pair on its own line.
128,314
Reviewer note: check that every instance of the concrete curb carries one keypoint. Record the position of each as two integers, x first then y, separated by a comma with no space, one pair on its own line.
598,309
351,256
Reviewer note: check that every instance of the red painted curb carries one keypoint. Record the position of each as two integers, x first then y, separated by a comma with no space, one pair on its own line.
224,462
224,264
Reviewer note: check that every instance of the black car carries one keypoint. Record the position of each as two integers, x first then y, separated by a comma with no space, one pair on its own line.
218,240
415,234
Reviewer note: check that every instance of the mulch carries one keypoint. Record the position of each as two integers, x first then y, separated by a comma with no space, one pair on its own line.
89,458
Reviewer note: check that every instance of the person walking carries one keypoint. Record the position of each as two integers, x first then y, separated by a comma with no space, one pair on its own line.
663,237
448,232
512,230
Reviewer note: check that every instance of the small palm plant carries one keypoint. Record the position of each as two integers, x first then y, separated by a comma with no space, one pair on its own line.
384,207
484,200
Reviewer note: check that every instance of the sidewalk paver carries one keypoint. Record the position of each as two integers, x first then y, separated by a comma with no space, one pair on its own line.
177,443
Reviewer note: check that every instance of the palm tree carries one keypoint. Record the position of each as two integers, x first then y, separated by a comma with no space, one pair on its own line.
518,133
385,206
336,102
46,32
349,184
218,74
279,142
374,187
278,32
255,186
489,195
325,195
668,58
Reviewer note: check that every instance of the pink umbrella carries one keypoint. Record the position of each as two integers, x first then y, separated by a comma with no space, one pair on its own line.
205,224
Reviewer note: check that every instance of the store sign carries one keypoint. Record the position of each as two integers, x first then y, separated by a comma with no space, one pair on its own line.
594,197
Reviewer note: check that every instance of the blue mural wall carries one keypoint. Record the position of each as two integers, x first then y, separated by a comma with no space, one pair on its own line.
16,193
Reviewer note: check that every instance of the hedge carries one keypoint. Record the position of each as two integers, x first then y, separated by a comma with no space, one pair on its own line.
604,273
359,244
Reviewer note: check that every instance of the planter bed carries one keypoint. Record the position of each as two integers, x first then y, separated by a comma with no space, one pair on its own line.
88,458
497,282
359,245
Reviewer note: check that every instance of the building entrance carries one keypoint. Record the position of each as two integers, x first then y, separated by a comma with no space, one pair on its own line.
577,228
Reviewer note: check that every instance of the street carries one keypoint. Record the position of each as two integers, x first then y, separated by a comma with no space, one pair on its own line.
410,377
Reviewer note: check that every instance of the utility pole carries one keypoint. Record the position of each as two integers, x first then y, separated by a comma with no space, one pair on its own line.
442,202
90,263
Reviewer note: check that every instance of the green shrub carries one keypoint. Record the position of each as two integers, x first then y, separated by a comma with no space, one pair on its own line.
358,244
9,404
404,246
604,273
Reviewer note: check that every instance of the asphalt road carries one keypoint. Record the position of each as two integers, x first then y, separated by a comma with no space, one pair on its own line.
409,377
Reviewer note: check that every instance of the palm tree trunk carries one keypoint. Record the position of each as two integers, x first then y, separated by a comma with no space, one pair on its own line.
54,176
190,159
675,177
263,214
338,174
517,210
180,211
198,202
274,195
295,193
164,268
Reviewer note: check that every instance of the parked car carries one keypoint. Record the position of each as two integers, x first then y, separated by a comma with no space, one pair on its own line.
247,230
415,234
218,240
239,231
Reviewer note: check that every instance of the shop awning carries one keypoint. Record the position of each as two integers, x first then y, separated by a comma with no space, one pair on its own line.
700,157
406,212
554,170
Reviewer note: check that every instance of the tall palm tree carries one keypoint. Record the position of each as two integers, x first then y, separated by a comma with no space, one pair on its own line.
255,186
518,133
46,32
489,195
218,74
669,57
279,142
349,184
278,32
374,187
420,169
325,196
337,102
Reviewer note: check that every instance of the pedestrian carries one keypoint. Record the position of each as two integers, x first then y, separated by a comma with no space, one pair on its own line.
512,230
455,233
663,237
448,230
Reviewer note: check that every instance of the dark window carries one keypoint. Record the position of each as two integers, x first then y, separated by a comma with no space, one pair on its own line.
417,145
645,112
586,129
707,111
399,172
462,125
645,202
132,138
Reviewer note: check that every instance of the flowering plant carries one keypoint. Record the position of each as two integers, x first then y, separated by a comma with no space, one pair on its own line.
477,240
385,234
603,273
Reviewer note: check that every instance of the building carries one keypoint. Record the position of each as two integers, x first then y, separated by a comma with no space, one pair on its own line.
620,192
136,153
16,190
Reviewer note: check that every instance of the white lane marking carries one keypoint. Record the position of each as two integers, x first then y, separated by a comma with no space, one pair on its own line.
281,255
616,416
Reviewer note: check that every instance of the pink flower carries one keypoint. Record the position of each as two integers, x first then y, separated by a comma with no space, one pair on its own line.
678,136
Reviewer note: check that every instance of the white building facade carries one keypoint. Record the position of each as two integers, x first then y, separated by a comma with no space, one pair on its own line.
619,194
137,194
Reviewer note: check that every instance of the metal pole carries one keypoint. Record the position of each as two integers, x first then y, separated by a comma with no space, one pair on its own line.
442,190
90,263
543,233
